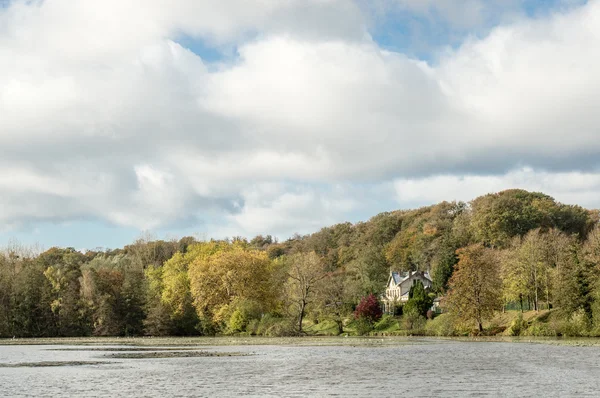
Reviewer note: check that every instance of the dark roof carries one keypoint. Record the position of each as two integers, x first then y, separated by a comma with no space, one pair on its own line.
401,277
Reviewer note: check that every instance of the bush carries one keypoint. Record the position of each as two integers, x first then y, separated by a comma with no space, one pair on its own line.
252,326
240,313
368,309
237,321
363,326
578,325
413,320
539,329
442,325
517,326
275,326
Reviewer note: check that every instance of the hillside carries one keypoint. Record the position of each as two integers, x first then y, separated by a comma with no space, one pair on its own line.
543,254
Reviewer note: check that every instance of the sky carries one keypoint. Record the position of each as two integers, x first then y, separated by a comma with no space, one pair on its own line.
242,117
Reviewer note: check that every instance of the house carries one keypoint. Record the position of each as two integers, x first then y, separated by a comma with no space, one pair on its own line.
398,287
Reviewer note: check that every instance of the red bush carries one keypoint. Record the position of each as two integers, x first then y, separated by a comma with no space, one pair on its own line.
369,309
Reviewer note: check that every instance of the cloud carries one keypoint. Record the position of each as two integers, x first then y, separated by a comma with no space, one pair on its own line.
277,209
567,187
105,116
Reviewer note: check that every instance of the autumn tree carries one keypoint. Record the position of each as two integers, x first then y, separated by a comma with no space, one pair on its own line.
333,299
475,286
305,271
224,274
176,293
63,271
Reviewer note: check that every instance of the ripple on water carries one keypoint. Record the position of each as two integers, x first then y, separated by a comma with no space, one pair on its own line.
424,369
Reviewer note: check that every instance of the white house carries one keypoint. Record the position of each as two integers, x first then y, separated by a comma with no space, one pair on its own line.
398,287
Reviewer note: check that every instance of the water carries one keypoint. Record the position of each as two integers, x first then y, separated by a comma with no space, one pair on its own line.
421,369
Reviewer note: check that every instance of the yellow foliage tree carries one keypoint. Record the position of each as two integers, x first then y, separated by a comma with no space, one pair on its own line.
475,286
225,273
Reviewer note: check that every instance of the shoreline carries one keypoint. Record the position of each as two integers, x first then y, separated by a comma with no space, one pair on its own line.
299,341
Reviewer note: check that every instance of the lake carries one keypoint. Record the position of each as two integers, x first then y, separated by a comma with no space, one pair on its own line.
342,367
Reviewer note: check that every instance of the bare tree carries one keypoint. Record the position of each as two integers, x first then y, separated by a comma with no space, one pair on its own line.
304,273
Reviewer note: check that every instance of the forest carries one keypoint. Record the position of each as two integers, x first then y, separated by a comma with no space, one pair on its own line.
513,262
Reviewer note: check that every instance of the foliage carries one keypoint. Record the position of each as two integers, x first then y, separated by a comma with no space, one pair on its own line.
419,301
368,309
223,273
517,326
386,323
305,271
513,248
475,286
442,325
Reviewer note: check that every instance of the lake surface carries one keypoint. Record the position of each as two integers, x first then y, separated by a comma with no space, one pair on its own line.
418,368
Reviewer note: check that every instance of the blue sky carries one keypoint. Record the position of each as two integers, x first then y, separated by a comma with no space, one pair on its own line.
229,118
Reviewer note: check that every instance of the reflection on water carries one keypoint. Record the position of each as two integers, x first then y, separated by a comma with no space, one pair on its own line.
430,368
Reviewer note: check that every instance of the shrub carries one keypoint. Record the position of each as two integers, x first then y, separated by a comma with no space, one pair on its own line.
517,326
442,325
578,325
363,326
413,320
539,329
368,309
252,326
272,326
237,321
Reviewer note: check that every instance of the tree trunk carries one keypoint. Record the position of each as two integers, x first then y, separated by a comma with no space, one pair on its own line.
521,301
301,316
535,284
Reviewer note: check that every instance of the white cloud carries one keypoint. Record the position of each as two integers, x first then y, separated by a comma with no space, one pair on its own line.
105,116
280,209
568,187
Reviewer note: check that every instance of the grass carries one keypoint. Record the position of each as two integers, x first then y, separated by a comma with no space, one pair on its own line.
323,328
343,340
539,326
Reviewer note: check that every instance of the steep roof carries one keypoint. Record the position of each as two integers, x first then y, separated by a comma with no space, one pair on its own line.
401,277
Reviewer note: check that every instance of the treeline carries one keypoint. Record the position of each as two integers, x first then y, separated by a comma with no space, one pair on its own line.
522,250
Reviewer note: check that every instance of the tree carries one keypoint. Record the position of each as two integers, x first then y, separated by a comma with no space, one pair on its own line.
499,217
158,314
305,271
419,299
333,299
176,292
368,309
443,264
64,274
226,272
475,286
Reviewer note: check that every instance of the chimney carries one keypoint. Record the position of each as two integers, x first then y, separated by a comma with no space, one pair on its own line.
409,273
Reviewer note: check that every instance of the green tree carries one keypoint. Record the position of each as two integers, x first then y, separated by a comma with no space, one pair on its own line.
419,299
63,271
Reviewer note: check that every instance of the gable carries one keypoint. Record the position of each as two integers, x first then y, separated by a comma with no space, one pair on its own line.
417,276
